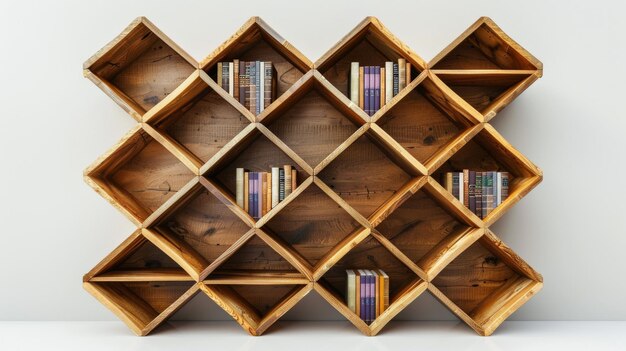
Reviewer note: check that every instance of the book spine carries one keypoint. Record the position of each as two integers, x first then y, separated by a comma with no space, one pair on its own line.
287,180
377,296
455,185
263,193
484,193
488,187
252,85
472,191
498,197
225,76
461,191
372,89
401,74
261,86
251,194
396,82
268,199
494,188
350,280
281,184
275,186
354,82
362,88
231,78
363,289
242,82
388,81
294,177
382,86
239,186
246,191
366,87
478,191
257,81
386,294
366,303
219,75
448,182
246,97
408,73
268,84
376,89
505,186
357,293
372,308
466,187
236,79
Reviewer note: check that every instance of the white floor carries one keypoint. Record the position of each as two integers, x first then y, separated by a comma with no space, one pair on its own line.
319,336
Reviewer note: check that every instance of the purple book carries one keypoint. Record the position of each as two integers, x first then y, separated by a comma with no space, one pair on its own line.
250,193
372,296
363,293
259,194
376,89
372,88
366,89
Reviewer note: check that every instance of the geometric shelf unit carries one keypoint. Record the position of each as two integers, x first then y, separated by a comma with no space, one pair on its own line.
369,189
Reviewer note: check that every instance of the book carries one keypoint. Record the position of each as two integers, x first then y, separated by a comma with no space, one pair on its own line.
287,180
268,202
372,295
246,191
455,184
363,292
376,97
382,87
261,86
281,184
294,177
354,82
384,290
257,82
395,79
376,294
252,86
408,73
488,193
350,289
263,193
448,182
494,188
485,192
388,81
466,187
366,89
239,186
242,83
461,191
220,74
478,194
505,187
275,186
497,198
225,76
362,88
472,191
231,79
236,79
247,96
256,196
357,293
401,74
366,295
269,83
251,194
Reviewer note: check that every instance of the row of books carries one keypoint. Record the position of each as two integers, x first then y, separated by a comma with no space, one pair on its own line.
249,82
371,87
258,192
481,192
367,293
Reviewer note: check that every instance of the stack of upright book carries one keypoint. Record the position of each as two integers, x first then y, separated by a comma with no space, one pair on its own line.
250,83
367,293
371,87
259,192
481,192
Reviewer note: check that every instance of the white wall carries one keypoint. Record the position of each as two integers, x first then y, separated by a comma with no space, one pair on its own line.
53,123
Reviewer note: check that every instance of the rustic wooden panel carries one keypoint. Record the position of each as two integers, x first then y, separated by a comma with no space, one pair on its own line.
255,256
207,125
158,295
146,256
483,49
206,224
258,156
263,298
364,176
370,254
152,176
418,225
473,276
153,75
313,128
312,224
418,125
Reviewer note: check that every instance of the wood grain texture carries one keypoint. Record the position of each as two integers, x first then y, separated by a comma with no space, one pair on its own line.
255,256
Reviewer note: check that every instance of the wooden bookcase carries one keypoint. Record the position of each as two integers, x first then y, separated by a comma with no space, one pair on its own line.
368,195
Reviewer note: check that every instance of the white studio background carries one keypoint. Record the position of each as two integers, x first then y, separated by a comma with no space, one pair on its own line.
54,123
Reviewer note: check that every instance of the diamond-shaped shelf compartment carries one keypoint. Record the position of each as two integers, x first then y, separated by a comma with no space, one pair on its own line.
427,119
489,151
199,228
369,191
137,175
314,119
140,67
369,253
367,172
257,41
198,120
140,284
425,226
485,284
370,44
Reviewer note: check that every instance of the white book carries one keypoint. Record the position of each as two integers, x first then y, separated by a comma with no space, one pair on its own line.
388,81
231,78
351,289
461,187
498,180
262,86
239,184
354,82
275,186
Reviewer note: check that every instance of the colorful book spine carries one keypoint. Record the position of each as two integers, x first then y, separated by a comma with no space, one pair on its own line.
239,185
246,98
472,191
383,86
287,169
455,185
376,98
362,88
354,82
350,289
488,189
242,83
396,82
357,293
505,186
268,201
366,89
498,197
263,194
478,192
220,75
408,73
388,81
252,86
461,191
275,186
368,296
268,81
246,192
294,179
281,184
261,87
363,290
376,294
466,187
257,81
384,290
231,78
250,193
236,79
401,74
